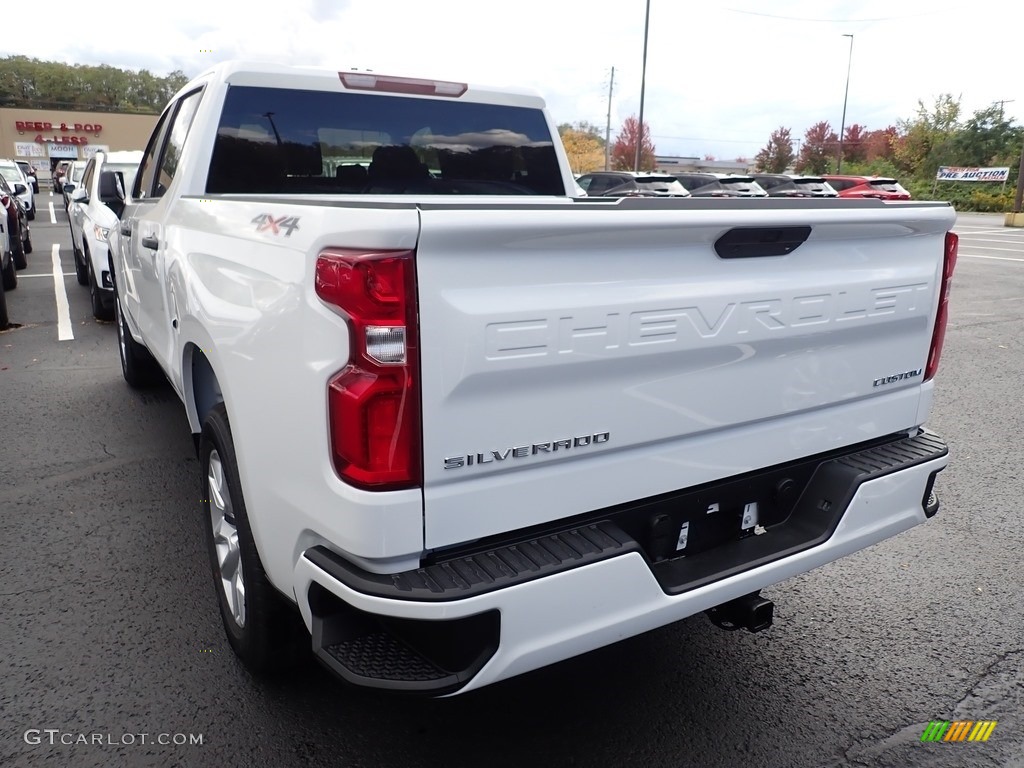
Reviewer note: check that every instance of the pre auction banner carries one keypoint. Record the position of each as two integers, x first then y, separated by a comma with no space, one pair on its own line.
951,173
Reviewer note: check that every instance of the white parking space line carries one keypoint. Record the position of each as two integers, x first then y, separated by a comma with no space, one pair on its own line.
45,274
973,239
990,248
53,214
63,308
993,258
971,232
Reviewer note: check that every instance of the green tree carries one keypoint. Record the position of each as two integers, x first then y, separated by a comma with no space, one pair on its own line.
32,83
777,155
925,140
987,138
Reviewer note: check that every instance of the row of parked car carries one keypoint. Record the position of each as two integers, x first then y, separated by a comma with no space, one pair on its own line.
660,184
17,208
94,191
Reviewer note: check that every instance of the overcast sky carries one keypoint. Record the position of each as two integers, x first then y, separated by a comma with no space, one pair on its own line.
721,74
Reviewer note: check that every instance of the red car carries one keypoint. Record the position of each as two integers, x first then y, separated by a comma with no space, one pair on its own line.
879,187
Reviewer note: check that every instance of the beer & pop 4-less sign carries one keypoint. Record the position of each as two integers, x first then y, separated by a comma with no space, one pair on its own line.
59,133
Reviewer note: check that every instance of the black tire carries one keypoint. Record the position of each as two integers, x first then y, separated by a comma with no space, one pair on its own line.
81,269
10,275
100,310
28,242
20,262
5,320
268,635
138,367
32,211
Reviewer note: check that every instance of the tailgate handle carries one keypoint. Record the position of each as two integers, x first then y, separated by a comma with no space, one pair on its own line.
752,242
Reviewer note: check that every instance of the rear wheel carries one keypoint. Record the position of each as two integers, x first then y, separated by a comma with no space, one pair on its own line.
28,240
81,270
262,627
32,211
10,275
5,321
18,248
99,308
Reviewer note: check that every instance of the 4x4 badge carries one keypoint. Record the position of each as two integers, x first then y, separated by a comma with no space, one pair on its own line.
267,223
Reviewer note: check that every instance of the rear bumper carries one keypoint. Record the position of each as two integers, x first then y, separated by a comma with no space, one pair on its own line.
577,590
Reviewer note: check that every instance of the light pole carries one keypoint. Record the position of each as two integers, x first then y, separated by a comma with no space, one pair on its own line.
643,85
846,93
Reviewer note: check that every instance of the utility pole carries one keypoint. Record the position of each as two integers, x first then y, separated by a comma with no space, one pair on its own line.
608,125
1019,199
643,84
846,94
1001,102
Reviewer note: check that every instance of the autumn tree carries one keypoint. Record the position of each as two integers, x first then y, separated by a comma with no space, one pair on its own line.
818,150
855,148
624,149
878,144
584,150
710,158
777,154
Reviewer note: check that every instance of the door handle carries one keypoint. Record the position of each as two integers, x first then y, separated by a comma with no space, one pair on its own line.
150,242
126,227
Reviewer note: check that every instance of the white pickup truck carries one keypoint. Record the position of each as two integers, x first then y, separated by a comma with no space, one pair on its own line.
471,425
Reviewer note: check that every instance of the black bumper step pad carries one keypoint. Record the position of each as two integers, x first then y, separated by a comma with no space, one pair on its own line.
486,571
381,656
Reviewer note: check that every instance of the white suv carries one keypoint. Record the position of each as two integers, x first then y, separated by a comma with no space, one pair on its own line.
14,175
95,208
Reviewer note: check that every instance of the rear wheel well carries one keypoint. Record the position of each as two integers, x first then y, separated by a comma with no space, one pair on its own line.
206,391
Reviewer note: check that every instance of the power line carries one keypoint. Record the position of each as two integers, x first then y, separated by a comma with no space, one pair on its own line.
828,21
720,141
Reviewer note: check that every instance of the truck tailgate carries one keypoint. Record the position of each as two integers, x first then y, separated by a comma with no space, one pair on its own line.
577,357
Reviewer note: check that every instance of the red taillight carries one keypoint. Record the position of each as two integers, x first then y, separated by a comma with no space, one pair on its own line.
942,315
4,201
374,402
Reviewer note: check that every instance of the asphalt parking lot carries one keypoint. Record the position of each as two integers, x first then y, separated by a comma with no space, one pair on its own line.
110,628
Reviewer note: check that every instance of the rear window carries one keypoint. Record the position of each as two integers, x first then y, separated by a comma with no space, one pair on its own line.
277,140
814,185
887,185
664,185
127,170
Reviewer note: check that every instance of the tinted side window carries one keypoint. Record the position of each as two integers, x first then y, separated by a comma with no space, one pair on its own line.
603,184
585,182
278,140
176,136
147,168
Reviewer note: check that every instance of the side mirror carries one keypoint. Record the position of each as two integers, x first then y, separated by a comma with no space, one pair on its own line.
69,187
20,189
79,194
